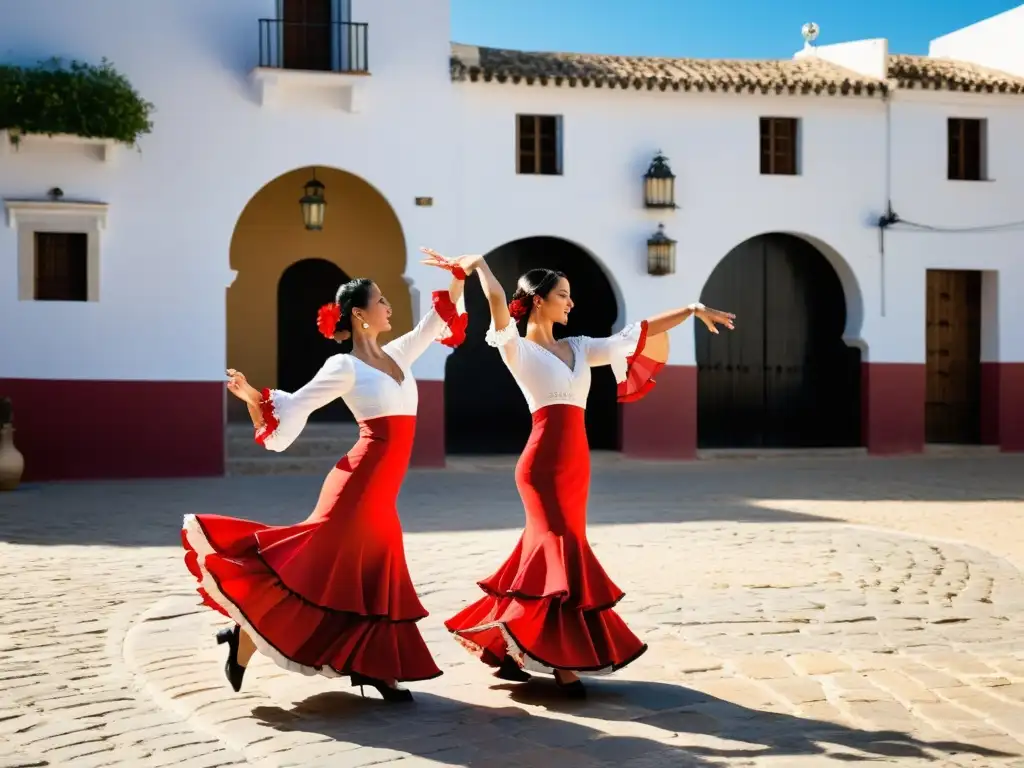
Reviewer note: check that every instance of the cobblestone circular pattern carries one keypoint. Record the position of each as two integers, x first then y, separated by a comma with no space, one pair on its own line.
769,646
778,645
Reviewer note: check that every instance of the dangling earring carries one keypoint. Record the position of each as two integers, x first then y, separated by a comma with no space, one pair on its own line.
365,326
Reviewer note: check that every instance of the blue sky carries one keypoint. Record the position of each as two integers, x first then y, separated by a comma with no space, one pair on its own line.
705,28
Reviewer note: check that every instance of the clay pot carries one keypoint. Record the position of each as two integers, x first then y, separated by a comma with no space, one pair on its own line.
12,463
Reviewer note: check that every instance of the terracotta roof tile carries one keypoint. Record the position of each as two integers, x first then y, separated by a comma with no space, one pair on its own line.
595,70
950,75
469,62
807,75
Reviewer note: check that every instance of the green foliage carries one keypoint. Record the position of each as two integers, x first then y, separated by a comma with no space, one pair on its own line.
79,99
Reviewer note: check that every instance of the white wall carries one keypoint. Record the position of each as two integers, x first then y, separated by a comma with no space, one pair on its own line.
993,42
713,148
174,205
921,193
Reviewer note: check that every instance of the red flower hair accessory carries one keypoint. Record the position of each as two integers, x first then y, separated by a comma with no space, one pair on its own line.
517,309
327,319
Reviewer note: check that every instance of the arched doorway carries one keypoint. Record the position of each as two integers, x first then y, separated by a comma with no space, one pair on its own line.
285,272
304,287
784,378
484,409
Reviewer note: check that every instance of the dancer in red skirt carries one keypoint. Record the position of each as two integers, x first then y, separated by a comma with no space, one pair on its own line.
549,607
332,595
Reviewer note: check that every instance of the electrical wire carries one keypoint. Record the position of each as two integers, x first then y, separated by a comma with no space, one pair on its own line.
932,228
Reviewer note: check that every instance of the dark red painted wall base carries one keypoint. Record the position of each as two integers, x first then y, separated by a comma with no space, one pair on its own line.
892,407
428,450
71,430
663,425
990,407
1011,406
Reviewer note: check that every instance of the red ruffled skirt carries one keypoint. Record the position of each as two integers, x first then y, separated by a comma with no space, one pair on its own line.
331,595
550,605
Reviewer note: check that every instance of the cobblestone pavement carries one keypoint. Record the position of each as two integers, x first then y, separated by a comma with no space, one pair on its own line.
781,635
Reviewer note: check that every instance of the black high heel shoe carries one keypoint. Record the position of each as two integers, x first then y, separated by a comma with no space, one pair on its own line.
512,672
232,669
573,690
389,694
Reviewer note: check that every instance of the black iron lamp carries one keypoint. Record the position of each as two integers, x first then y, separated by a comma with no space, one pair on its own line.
661,253
659,184
313,204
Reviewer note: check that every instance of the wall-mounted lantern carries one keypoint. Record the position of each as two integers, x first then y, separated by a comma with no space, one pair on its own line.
313,204
661,253
659,184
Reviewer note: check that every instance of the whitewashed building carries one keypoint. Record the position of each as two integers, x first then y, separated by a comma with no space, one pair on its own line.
859,210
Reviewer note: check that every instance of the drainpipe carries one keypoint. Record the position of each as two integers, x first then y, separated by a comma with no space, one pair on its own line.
888,218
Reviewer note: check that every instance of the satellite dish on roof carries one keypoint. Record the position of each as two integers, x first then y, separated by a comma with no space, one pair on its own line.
810,31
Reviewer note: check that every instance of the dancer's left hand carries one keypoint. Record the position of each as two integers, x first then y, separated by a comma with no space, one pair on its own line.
242,389
715,317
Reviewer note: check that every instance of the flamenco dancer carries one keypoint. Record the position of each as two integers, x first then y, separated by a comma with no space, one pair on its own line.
332,595
549,607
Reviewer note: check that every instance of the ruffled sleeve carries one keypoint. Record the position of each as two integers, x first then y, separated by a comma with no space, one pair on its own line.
507,340
624,352
285,413
442,323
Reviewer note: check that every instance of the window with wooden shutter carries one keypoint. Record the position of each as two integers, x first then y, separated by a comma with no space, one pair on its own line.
965,157
61,266
539,144
779,145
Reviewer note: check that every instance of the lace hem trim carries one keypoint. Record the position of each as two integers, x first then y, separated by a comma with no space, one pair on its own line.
526,660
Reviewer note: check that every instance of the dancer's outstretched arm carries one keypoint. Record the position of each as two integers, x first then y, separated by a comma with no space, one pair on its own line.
666,321
279,417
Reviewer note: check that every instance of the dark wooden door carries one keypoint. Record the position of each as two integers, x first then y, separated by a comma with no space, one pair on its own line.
306,37
953,339
301,351
784,378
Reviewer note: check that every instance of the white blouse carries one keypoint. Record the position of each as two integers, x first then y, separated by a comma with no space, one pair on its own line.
546,380
367,391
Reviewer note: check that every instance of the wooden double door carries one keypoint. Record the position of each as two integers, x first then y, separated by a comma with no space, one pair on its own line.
784,378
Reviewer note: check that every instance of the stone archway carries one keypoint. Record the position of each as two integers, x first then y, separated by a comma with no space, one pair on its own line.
361,237
484,409
786,377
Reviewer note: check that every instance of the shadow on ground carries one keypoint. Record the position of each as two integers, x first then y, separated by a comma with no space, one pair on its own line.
148,513
706,729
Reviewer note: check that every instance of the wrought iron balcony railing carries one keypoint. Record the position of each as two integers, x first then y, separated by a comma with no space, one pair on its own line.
339,46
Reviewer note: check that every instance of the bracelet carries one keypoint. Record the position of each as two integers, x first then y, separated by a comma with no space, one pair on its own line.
458,272
695,307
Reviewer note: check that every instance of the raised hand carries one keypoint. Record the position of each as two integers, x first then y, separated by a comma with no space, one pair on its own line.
435,259
466,263
242,389
712,318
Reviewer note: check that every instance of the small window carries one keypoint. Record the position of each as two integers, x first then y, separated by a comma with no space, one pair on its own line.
966,149
779,145
539,144
61,266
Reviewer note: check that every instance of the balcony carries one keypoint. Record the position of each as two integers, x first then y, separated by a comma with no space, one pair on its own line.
312,60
